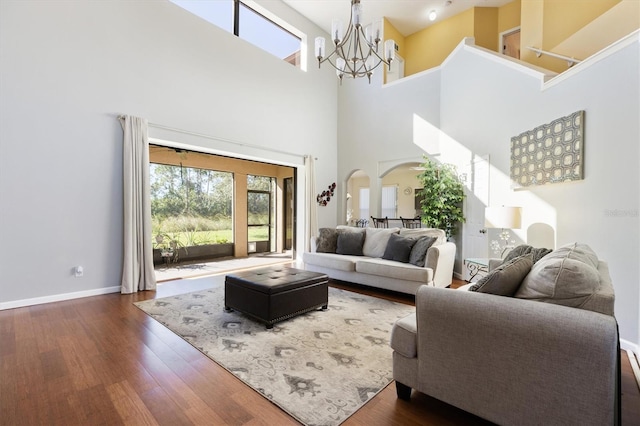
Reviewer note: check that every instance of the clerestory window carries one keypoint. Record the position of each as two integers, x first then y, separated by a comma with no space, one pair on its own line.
247,23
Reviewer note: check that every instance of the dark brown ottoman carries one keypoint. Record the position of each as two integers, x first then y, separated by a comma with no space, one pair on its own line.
274,294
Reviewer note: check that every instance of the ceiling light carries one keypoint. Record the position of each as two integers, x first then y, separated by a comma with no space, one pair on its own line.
433,15
356,50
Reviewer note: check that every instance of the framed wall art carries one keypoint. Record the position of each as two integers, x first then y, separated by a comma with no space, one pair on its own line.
550,153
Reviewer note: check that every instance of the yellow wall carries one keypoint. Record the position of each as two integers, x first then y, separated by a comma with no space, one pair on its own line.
562,18
509,16
547,23
353,188
485,27
427,48
544,24
402,178
530,28
390,32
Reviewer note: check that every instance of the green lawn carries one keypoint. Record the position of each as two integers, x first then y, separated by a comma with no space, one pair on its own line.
194,238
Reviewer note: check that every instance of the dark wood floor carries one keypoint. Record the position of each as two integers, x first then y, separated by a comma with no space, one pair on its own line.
102,361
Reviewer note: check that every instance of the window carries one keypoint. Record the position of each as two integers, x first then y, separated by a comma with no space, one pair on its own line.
190,206
268,35
261,213
247,23
389,201
364,203
219,12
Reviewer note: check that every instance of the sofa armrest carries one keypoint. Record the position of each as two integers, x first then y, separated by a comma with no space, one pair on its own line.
441,258
313,244
494,263
495,356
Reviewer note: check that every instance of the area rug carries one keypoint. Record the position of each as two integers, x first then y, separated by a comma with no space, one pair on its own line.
319,367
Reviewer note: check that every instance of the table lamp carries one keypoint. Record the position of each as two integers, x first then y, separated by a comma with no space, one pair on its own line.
505,218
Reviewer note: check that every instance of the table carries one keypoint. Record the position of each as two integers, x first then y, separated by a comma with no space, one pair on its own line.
275,293
476,267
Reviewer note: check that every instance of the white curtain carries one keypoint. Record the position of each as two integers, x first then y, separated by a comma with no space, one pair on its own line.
137,269
312,203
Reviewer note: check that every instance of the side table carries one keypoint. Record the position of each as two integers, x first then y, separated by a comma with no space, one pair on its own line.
477,268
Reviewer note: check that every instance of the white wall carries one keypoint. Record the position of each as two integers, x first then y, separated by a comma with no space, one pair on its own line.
481,104
69,68
376,126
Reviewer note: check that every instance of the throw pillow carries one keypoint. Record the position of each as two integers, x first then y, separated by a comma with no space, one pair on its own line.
416,233
346,228
376,241
506,278
565,276
398,248
522,249
419,250
350,243
327,241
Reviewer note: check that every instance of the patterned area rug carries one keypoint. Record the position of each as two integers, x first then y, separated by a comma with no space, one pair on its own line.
319,367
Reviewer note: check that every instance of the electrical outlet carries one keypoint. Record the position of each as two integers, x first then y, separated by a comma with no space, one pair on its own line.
78,271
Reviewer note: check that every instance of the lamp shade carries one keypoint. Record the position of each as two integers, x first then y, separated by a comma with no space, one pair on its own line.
502,217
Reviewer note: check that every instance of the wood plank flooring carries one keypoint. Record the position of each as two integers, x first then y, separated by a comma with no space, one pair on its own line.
102,361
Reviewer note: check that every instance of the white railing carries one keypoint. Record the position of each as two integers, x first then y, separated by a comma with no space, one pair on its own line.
539,52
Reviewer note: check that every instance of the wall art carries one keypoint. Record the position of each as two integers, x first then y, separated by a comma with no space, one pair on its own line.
550,153
326,195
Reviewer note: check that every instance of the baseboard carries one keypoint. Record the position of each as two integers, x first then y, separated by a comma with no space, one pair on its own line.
58,297
629,346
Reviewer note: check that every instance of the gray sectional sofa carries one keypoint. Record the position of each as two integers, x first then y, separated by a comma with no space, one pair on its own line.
389,258
532,344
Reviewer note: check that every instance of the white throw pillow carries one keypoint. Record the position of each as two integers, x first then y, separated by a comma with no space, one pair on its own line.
376,241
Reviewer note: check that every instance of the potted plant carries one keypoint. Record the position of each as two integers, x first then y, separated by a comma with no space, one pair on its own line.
443,193
168,247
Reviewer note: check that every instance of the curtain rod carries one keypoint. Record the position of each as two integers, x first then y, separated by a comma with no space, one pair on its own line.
219,139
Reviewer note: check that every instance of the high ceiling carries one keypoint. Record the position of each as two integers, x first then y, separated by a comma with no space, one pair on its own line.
407,16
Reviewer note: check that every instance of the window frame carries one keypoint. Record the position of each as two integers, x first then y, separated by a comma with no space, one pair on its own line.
277,22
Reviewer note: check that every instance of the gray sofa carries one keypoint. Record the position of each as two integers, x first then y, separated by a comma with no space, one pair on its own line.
371,269
515,360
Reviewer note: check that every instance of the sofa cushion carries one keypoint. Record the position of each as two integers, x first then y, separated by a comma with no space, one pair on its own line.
419,250
439,234
567,276
376,241
331,261
393,269
404,336
327,241
506,278
350,243
398,248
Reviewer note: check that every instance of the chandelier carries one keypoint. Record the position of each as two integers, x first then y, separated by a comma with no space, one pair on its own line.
356,50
